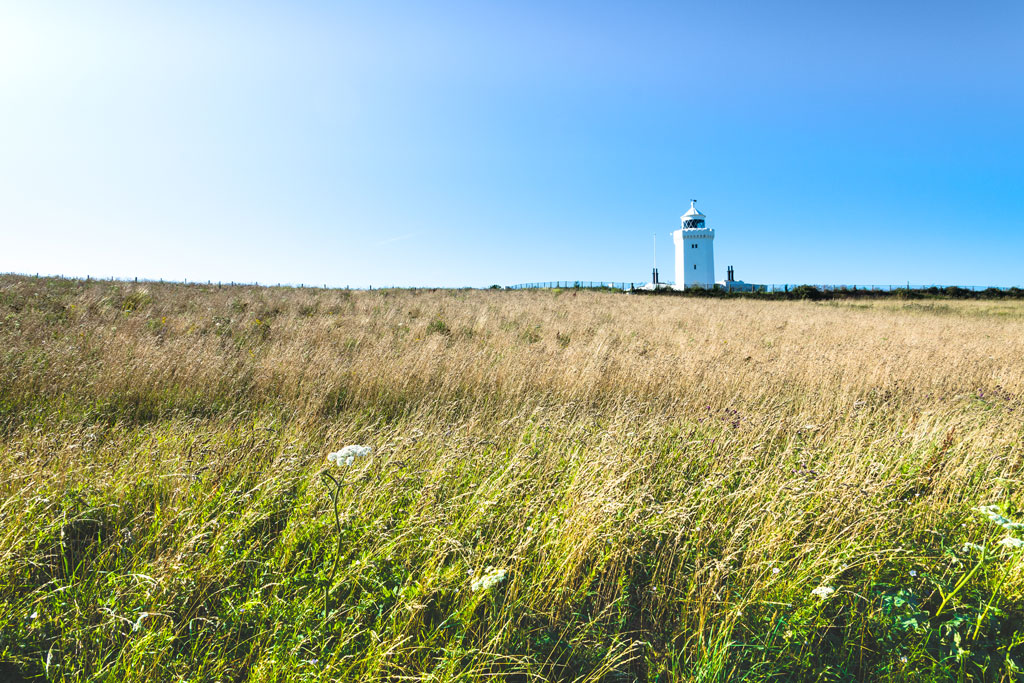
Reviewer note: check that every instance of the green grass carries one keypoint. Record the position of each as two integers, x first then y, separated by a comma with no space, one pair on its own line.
660,514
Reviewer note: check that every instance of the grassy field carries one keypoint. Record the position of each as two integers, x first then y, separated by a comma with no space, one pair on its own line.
563,485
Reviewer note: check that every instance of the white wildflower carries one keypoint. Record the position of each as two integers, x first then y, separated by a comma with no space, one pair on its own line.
490,578
775,570
994,516
347,455
1012,543
823,591
138,622
913,572
969,547
903,659
34,615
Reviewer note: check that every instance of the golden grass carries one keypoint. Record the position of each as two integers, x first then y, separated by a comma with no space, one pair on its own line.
640,465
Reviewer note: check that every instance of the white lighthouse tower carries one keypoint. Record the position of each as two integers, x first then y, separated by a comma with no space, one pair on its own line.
695,254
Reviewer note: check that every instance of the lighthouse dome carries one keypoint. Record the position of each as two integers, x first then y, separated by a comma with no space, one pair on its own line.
692,212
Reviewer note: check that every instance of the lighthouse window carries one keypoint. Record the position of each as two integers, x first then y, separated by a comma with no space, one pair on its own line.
695,266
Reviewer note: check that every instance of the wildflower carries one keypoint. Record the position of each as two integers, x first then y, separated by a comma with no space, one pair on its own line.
34,615
138,622
775,570
903,659
823,591
913,572
994,516
968,547
1012,543
347,455
490,578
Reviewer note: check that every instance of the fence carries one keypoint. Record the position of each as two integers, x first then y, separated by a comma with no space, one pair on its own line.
602,284
881,288
605,284
583,284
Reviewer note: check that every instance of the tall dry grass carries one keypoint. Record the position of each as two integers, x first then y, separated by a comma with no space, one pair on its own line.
665,481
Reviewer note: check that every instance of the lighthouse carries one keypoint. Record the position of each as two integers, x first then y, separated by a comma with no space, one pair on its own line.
695,254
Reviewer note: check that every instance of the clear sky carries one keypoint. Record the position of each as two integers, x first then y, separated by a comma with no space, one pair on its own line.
471,143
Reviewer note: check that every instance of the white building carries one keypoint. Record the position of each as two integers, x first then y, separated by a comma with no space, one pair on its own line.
695,253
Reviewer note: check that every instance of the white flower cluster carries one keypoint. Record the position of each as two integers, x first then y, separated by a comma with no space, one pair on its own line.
347,455
973,547
823,591
489,579
994,516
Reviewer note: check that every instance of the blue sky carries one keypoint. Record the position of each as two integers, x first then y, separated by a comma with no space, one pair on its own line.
470,143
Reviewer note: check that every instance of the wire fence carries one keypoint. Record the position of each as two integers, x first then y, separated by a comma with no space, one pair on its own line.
580,284
772,288
597,284
886,288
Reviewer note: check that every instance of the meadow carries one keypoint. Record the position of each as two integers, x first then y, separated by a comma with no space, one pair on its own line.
562,485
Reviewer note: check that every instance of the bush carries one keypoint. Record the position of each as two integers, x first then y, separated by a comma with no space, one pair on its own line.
806,292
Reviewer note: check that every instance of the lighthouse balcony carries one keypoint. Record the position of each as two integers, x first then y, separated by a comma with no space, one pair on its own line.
696,232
